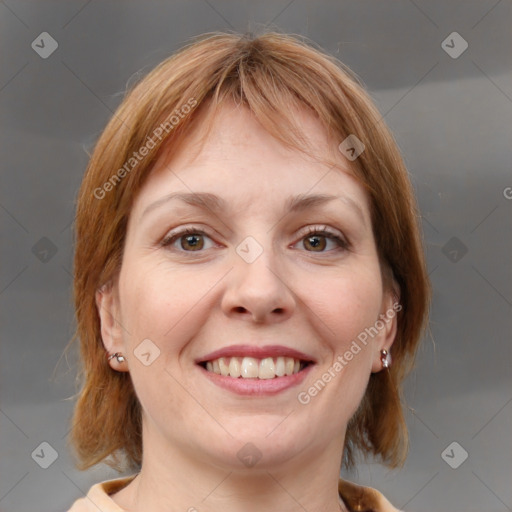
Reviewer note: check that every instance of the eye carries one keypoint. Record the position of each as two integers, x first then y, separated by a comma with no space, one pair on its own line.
195,240
187,240
318,240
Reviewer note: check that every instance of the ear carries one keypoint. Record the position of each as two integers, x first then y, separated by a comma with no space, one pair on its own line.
107,304
387,325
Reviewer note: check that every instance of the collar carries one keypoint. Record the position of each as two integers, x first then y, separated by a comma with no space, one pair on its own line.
357,498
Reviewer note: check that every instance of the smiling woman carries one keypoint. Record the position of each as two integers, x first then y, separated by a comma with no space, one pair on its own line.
251,295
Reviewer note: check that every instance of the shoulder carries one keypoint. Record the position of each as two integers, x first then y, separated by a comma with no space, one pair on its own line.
364,499
98,497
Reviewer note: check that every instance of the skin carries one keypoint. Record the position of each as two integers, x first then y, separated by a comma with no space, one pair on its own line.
316,299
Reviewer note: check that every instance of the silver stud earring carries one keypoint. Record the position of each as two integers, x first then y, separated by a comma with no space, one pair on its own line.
385,358
120,358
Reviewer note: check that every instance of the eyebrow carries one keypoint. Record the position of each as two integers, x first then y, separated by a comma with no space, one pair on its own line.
216,204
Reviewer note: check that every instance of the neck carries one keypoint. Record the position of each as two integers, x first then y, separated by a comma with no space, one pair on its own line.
174,480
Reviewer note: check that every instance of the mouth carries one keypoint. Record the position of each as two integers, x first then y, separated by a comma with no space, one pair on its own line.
247,367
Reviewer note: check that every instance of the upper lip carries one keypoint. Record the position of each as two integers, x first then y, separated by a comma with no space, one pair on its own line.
256,352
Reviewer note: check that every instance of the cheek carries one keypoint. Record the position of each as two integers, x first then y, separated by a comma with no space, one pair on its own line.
346,304
154,308
354,308
152,301
165,306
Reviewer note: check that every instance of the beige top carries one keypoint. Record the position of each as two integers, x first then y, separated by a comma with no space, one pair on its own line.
356,497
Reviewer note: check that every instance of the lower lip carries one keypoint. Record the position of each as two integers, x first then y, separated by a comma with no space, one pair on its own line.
257,387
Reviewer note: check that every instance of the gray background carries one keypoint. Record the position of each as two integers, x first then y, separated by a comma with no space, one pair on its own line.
452,119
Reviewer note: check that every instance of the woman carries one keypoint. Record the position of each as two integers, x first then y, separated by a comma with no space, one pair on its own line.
247,261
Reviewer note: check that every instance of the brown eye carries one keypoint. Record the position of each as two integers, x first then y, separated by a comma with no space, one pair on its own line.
188,240
322,240
194,242
315,243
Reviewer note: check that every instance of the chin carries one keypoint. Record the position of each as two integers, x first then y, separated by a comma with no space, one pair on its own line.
262,443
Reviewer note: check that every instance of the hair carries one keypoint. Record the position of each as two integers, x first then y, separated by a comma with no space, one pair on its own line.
272,75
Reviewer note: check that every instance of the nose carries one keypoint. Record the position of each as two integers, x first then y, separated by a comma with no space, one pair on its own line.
258,291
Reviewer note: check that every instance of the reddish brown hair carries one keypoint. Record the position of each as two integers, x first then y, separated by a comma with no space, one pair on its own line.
271,75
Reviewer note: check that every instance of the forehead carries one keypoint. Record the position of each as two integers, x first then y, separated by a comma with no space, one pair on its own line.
235,126
242,161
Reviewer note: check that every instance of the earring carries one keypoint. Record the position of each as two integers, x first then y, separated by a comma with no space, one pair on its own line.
120,358
385,358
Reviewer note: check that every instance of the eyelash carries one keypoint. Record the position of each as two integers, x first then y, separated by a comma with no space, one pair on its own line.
328,233
311,230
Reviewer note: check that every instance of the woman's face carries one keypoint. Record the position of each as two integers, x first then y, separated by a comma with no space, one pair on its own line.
274,275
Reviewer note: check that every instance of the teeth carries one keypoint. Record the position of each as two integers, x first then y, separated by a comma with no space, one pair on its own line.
224,366
288,365
280,367
252,368
249,368
234,367
267,369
